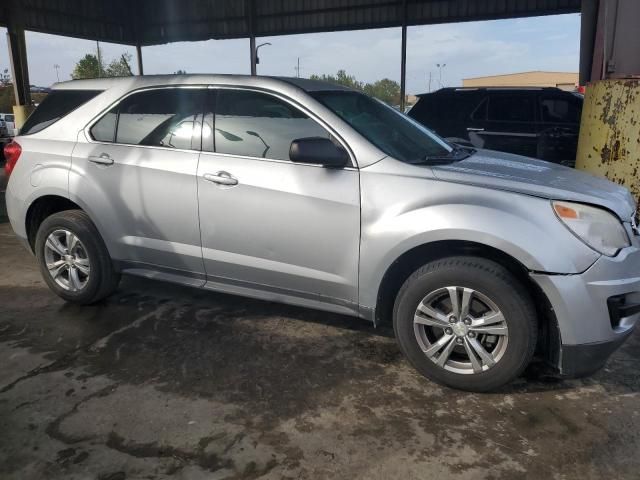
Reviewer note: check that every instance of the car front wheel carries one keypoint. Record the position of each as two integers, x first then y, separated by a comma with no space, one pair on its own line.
466,322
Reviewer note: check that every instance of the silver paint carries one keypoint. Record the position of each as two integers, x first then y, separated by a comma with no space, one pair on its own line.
317,237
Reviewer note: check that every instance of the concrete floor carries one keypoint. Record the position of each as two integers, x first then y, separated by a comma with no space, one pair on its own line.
167,382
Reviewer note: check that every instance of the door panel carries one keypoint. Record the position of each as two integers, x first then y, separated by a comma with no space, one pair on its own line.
559,127
137,178
145,202
509,124
285,226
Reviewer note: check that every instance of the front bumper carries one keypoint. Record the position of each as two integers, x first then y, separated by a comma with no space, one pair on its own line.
591,326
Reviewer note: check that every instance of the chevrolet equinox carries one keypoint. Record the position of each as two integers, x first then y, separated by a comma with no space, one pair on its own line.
312,194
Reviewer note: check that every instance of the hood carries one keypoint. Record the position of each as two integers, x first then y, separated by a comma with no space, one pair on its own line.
538,178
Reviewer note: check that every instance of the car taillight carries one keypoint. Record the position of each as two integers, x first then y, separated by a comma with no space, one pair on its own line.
12,152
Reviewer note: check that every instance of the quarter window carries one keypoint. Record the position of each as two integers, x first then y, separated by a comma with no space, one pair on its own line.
160,118
254,124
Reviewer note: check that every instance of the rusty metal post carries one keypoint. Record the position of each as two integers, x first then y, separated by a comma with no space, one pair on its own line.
609,142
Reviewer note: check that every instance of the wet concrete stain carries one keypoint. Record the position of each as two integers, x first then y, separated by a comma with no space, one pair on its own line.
161,382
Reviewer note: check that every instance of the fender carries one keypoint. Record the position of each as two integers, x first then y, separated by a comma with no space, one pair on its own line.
518,225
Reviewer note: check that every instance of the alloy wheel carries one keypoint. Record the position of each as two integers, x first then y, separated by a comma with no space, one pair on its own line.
461,330
67,260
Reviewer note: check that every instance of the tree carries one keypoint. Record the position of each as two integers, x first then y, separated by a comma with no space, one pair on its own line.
180,72
5,78
119,68
341,78
87,67
386,90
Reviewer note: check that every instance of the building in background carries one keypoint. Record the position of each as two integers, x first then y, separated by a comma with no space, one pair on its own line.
563,80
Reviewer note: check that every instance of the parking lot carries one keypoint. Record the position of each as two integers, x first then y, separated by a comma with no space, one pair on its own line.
162,381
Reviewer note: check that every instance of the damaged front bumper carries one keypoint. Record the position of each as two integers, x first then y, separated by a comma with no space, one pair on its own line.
596,310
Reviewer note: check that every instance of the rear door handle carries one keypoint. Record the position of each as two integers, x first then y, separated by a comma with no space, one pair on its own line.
473,129
221,178
102,159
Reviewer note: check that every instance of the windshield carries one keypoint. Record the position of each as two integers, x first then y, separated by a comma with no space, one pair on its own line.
391,131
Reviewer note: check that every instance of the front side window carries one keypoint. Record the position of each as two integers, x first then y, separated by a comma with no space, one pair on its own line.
511,108
255,124
158,118
394,133
561,110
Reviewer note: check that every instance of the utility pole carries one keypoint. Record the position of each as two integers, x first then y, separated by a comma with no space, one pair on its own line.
297,68
57,67
99,59
429,81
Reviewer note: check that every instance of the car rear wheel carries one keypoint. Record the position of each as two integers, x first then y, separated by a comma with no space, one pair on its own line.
73,259
466,322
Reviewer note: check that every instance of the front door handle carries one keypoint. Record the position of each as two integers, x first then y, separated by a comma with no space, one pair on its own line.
473,129
221,178
102,159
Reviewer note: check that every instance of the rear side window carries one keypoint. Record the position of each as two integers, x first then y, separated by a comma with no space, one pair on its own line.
55,106
159,118
425,109
511,108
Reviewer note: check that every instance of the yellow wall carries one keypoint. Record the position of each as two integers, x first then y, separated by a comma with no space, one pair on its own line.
564,80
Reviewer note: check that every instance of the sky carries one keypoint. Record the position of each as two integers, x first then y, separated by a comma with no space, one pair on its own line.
467,49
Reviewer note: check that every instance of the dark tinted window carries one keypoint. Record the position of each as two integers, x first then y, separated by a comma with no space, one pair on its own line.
55,106
480,112
561,110
391,131
426,108
254,124
511,108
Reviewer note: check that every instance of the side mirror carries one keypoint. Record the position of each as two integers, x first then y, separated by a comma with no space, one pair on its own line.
318,151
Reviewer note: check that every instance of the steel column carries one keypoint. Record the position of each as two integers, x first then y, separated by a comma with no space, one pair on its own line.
253,55
139,58
19,67
252,46
403,58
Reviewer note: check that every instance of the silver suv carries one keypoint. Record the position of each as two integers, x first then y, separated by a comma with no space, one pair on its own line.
310,194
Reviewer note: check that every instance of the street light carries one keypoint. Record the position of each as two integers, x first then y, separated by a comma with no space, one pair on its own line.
441,67
257,48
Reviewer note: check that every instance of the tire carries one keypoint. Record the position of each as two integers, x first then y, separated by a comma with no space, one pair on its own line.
502,320
87,285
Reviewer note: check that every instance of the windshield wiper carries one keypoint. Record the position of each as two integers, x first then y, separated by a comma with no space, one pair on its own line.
456,154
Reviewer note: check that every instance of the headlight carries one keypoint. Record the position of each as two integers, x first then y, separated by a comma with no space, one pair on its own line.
596,227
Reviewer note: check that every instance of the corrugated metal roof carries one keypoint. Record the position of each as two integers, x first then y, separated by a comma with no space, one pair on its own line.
151,22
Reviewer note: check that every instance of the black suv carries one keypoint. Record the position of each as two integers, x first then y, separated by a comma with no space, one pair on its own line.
536,122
